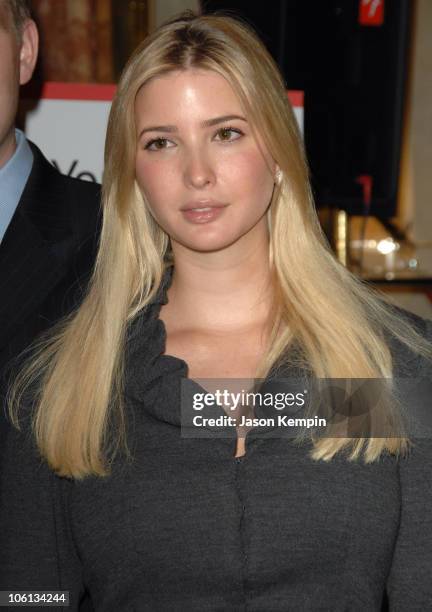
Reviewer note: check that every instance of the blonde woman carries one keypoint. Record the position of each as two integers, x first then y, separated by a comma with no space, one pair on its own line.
212,264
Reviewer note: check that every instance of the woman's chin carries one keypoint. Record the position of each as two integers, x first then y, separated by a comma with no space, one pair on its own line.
206,244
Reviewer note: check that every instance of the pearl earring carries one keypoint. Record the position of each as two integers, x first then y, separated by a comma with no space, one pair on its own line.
278,177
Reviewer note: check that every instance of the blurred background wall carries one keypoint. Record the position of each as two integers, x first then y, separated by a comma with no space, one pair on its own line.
419,134
90,40
76,40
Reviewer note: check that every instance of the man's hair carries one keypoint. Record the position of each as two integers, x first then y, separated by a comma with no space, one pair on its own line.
18,11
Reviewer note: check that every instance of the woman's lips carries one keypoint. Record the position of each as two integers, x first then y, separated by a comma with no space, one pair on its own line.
203,214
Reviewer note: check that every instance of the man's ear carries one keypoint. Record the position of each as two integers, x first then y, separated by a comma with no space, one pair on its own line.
28,51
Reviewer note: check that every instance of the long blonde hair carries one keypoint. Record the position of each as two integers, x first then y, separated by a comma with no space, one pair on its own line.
76,377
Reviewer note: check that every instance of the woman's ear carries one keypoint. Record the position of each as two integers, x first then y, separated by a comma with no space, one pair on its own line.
28,51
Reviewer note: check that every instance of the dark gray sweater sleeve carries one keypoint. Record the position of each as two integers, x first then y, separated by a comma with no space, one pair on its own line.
409,585
36,551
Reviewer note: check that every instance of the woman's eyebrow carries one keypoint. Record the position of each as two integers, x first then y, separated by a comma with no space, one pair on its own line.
205,123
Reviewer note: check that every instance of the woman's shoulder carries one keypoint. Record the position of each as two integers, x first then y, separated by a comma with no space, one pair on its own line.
412,376
419,323
409,359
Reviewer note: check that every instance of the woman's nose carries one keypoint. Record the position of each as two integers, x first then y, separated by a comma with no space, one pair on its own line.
199,170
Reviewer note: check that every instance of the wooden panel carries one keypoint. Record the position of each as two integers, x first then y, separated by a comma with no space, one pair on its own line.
75,40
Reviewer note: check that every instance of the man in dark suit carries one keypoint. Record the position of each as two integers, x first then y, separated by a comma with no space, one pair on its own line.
48,222
48,240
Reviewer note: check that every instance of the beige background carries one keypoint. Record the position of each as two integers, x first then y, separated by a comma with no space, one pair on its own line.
416,192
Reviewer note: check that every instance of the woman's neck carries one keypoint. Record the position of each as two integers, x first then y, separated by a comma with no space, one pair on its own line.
223,290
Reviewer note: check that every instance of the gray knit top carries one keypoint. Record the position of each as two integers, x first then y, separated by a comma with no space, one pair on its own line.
187,527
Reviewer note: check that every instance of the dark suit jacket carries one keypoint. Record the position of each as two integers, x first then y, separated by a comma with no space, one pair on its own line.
46,257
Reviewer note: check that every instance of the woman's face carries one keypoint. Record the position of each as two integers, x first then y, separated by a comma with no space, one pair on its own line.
207,180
